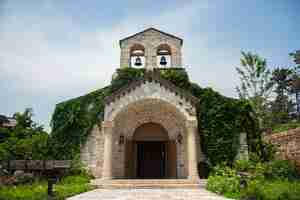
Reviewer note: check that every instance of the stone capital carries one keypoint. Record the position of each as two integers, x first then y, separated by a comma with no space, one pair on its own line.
191,123
107,124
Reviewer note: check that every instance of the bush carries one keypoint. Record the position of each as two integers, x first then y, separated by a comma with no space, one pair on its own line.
280,169
273,180
224,181
72,185
78,168
243,165
36,191
277,190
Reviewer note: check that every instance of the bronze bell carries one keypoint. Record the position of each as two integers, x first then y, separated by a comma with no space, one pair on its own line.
138,61
163,60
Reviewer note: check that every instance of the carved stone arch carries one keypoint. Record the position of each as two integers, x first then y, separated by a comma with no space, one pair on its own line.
150,110
163,47
149,90
135,47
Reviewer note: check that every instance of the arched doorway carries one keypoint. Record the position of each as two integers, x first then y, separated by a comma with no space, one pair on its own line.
150,153
130,122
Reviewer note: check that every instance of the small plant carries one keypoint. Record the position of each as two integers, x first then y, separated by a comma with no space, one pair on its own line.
243,165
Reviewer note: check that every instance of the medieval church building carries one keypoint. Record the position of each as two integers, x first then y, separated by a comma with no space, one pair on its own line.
150,128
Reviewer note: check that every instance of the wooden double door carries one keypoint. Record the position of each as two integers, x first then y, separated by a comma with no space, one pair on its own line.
151,159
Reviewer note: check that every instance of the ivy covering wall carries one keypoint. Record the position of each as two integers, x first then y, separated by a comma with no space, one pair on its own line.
220,119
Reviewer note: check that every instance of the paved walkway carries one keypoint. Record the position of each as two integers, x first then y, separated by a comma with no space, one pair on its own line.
148,194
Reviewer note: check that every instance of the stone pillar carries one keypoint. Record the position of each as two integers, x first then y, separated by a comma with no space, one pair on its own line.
192,130
107,128
243,149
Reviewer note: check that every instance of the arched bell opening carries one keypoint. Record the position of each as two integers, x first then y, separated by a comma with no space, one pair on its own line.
137,56
163,55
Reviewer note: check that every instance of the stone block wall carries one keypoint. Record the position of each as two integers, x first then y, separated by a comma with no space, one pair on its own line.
150,40
92,152
288,143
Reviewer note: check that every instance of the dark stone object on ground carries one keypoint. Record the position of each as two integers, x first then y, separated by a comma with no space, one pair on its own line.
203,169
22,177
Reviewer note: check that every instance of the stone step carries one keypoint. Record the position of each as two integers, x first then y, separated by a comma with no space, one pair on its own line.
147,183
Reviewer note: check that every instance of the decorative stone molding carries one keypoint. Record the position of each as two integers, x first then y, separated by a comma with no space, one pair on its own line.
151,87
150,110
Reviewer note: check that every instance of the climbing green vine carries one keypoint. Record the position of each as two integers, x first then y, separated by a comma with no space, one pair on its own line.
221,119
73,120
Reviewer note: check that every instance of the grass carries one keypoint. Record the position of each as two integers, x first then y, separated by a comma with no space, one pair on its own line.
284,127
68,186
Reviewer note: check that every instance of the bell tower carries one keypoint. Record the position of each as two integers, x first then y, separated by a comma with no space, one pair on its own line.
150,49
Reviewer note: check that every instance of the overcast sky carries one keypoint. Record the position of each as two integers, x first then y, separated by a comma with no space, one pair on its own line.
54,50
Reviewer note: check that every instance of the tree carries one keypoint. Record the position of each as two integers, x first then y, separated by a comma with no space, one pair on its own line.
27,140
256,84
296,56
295,81
281,106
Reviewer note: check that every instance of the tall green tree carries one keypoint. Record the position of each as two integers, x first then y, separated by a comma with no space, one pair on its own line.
295,82
256,84
282,105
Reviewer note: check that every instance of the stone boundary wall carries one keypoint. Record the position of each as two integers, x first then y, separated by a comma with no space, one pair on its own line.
288,143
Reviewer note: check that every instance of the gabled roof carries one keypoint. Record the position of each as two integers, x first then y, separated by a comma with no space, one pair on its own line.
154,29
152,76
3,119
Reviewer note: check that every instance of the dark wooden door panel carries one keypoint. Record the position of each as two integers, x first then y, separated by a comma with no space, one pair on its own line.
151,159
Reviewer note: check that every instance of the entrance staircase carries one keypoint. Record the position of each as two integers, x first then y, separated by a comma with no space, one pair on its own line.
147,183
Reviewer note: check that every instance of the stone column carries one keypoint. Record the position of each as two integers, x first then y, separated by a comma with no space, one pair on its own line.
243,149
192,130
107,128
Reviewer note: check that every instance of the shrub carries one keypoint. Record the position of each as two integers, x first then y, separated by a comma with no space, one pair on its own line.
243,165
72,185
280,169
273,180
259,171
277,190
78,168
224,181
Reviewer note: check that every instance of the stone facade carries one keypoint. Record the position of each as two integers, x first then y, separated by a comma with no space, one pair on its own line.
288,143
92,151
150,39
110,151
150,102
